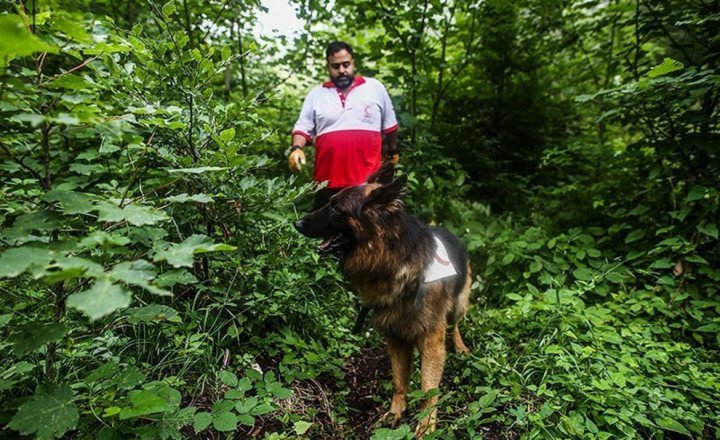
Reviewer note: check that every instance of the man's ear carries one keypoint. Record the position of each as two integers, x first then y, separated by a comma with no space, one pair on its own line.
384,175
387,194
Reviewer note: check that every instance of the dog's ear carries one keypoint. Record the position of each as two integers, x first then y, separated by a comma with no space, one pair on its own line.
387,194
384,175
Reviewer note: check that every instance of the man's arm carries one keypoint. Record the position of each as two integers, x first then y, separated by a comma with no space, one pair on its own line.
302,135
299,140
389,128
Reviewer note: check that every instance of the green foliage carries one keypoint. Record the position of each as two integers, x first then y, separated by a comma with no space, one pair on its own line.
153,285
50,413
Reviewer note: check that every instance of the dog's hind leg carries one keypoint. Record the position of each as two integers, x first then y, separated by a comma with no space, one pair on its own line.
401,357
461,307
432,355
458,343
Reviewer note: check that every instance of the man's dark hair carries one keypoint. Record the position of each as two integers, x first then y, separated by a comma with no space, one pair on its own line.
337,46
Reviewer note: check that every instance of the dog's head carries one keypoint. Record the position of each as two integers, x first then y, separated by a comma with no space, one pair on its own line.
355,212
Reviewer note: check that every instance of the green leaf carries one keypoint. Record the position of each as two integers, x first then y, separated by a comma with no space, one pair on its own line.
50,413
142,403
100,300
709,229
15,261
245,384
245,406
17,40
151,313
634,236
202,421
134,214
182,198
277,390
671,424
143,215
583,274
712,328
618,378
182,254
401,433
175,276
227,135
128,378
301,427
262,409
33,335
137,273
697,192
246,419
662,263
225,421
574,423
70,268
668,65
5,319
103,239
488,399
102,372
234,394
228,378
696,259
70,201
168,9
71,26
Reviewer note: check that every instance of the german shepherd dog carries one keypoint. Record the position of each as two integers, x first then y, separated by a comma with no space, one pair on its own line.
384,252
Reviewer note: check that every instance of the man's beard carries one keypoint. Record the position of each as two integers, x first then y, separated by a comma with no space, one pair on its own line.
343,82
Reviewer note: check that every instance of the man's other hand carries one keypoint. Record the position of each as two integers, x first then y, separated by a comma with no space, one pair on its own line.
394,158
296,160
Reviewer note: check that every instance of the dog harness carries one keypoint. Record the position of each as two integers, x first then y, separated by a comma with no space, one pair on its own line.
439,268
347,129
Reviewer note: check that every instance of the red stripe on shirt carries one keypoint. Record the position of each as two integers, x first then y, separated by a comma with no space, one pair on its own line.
390,129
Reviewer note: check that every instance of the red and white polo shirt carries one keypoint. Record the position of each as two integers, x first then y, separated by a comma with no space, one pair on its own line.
347,130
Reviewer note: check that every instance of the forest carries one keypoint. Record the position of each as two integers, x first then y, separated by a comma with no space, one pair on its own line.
152,284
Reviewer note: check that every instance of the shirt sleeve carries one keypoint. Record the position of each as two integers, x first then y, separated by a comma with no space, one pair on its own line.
305,125
389,120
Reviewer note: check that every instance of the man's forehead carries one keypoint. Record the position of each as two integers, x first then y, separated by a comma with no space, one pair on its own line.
339,57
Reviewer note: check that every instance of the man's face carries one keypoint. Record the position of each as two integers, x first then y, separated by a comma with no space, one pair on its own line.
341,68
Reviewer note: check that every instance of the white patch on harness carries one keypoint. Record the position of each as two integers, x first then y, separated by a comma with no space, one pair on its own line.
441,266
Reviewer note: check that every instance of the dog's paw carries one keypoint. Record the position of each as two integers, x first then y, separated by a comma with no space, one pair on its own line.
391,417
462,349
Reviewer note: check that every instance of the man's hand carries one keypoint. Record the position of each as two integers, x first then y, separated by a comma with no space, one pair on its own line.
394,158
296,160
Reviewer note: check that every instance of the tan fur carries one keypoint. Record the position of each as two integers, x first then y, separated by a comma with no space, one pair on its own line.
405,327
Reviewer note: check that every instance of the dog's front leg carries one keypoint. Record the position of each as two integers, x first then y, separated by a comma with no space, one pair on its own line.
432,355
401,360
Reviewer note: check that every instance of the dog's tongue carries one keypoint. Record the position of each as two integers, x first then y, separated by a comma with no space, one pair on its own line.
325,244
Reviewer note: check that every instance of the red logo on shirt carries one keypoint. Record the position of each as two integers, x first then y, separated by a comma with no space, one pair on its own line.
367,111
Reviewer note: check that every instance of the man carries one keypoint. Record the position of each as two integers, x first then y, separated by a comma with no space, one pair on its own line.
347,117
